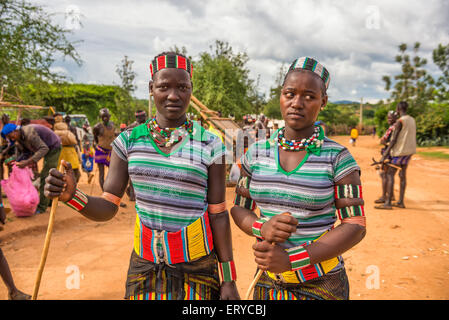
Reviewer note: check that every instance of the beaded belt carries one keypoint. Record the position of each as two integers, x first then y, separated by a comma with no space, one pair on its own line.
188,244
307,273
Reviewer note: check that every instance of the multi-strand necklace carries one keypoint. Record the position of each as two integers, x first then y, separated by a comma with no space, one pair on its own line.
297,145
170,136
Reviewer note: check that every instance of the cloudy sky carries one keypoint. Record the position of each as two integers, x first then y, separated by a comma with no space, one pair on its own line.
356,40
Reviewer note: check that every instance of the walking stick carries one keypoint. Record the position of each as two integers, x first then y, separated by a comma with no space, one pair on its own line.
258,275
51,221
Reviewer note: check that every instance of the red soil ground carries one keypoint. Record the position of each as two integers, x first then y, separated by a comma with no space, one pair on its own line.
405,254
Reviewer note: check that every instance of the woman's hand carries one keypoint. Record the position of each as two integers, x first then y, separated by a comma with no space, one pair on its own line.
59,184
228,291
271,257
279,228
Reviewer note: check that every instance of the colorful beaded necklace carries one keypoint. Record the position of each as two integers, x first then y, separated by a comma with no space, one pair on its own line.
293,145
170,136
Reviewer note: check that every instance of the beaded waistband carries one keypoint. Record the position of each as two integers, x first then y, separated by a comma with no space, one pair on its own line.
188,244
307,273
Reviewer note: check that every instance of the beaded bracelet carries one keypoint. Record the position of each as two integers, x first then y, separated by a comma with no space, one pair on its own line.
242,200
227,271
348,191
78,202
299,257
352,211
257,227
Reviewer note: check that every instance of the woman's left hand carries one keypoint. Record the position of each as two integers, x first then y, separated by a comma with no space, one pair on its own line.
228,291
271,257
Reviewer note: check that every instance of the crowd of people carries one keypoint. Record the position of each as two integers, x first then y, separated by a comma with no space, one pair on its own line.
174,168
25,144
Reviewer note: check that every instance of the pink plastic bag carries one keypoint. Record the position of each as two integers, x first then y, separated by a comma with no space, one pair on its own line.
21,193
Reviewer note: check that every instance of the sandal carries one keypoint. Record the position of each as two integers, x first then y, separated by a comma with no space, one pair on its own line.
380,200
19,295
398,205
384,207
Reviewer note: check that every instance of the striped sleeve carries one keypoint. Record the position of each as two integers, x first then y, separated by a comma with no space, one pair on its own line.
218,150
120,145
245,162
344,164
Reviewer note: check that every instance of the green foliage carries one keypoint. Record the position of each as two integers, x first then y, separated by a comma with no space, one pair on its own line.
434,154
427,98
272,107
126,74
221,82
30,43
339,118
87,99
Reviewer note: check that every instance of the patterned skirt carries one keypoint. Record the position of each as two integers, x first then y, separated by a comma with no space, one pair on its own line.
402,160
197,280
332,286
102,156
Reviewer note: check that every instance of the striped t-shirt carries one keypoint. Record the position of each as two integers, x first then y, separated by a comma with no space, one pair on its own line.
307,192
171,189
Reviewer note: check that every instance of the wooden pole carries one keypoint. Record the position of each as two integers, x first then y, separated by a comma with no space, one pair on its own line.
361,116
258,275
44,255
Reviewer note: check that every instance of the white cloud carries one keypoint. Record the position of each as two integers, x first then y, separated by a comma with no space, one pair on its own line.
357,41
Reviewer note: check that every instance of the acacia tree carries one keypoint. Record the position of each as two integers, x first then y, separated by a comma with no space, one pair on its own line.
413,84
124,102
441,58
29,45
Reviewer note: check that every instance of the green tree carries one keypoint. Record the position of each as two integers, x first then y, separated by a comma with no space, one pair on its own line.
413,84
127,75
221,81
440,57
29,44
272,108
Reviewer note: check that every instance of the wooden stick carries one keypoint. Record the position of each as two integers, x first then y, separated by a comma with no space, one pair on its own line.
51,222
258,275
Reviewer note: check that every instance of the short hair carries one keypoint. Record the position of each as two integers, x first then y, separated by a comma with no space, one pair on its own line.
403,105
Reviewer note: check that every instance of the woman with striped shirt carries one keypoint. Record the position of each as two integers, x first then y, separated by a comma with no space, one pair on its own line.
301,181
182,239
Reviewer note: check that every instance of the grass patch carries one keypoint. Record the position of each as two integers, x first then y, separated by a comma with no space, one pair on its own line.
435,155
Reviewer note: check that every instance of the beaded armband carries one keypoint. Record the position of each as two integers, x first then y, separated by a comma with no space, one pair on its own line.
348,191
243,199
257,227
227,271
299,258
78,202
352,211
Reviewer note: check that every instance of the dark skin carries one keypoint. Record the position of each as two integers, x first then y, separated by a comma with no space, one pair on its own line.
392,171
391,120
302,98
171,89
98,131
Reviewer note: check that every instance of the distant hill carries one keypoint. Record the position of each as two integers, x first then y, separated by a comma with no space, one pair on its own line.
345,102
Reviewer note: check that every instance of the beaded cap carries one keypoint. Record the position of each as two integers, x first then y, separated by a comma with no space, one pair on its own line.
170,61
313,65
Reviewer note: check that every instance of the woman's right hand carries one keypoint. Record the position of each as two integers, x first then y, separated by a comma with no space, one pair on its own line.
62,185
279,228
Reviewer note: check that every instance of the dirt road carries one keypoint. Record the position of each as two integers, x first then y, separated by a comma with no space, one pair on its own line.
405,254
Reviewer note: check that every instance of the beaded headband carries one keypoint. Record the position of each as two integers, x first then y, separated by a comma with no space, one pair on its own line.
171,61
311,64
141,113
